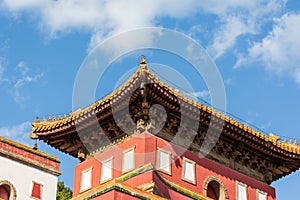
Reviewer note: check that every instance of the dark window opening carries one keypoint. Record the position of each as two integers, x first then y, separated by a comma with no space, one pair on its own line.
4,192
213,190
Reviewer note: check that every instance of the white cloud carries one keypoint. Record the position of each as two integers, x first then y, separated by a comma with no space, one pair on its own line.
204,95
19,5
94,15
226,36
16,83
248,19
23,80
19,98
201,94
106,18
23,68
279,51
19,132
100,18
236,18
27,79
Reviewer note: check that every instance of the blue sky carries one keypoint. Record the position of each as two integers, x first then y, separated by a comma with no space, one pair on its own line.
255,45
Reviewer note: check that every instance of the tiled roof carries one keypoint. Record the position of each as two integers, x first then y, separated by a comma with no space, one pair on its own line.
51,125
28,149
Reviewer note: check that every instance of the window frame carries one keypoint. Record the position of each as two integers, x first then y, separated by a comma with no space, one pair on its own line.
90,169
111,170
243,185
133,160
261,192
170,161
41,191
184,159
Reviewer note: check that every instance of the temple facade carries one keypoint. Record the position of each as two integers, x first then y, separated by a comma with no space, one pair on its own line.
147,167
26,173
125,156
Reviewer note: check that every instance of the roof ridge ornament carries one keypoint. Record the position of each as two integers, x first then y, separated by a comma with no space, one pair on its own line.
36,120
143,63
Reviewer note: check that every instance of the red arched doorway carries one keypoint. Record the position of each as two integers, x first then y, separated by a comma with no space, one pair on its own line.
213,190
4,193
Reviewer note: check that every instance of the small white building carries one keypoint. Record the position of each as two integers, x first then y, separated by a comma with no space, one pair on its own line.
26,173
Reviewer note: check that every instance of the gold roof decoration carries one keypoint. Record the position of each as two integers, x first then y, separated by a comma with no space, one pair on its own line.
143,63
290,146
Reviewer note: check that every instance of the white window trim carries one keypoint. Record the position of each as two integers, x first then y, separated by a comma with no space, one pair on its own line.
237,191
111,175
261,192
41,192
170,161
183,170
83,171
133,160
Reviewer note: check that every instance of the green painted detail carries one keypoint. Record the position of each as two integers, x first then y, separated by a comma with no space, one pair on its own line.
136,172
30,150
114,187
175,188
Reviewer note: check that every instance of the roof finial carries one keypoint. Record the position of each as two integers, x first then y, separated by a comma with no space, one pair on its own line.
35,146
143,63
36,120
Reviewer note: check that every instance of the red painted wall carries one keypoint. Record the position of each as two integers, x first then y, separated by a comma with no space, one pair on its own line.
146,152
29,155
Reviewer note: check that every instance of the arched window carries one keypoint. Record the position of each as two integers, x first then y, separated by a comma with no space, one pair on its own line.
215,189
4,192
7,191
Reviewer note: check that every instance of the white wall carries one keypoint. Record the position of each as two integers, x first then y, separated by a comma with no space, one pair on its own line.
21,176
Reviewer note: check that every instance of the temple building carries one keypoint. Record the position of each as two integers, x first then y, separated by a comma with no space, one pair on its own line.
26,173
124,155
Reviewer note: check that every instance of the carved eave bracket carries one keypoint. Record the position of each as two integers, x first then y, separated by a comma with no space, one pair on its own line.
144,104
142,126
